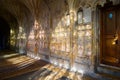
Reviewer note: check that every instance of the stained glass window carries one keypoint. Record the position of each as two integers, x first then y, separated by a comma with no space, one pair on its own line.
87,15
110,15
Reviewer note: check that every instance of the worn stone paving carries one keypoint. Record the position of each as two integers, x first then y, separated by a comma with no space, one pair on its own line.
41,72
13,64
51,72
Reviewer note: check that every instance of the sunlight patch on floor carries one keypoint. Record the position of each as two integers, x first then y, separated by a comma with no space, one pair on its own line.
9,55
51,72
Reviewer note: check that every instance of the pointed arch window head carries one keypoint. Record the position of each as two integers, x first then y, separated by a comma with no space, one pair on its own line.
67,19
80,16
87,13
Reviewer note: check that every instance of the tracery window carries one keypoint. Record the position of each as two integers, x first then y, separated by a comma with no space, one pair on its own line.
80,16
60,42
72,42
84,34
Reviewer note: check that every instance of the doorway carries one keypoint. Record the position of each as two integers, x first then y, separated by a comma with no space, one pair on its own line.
4,34
110,36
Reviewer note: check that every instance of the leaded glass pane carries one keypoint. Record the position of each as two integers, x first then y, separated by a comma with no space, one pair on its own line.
87,15
80,17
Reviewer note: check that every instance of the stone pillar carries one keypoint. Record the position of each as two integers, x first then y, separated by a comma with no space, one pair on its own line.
71,39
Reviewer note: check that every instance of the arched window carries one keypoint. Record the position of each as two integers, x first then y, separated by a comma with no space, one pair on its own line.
80,16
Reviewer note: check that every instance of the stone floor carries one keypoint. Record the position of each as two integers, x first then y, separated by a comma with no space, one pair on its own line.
51,72
20,67
13,64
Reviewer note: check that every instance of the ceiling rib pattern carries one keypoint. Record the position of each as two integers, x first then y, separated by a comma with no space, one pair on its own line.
24,9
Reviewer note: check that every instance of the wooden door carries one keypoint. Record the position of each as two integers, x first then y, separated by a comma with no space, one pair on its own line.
110,36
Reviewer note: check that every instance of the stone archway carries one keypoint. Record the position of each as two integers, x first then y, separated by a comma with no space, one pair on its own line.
4,34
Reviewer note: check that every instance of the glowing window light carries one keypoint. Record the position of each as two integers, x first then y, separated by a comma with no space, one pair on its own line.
23,36
20,29
36,24
88,33
81,72
12,37
12,42
67,19
12,31
73,69
87,15
88,26
66,67
60,65
80,16
31,36
55,63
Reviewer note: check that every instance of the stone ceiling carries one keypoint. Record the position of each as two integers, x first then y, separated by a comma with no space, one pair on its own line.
24,9
21,10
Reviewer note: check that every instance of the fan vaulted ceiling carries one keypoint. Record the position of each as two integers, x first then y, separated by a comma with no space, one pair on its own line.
21,10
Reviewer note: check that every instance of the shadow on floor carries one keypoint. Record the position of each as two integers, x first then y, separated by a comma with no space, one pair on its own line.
12,64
